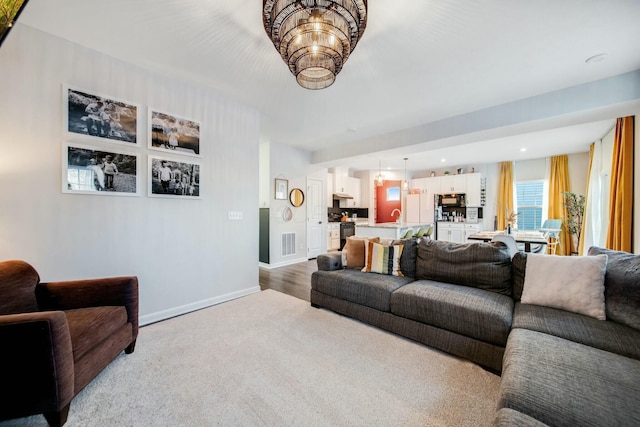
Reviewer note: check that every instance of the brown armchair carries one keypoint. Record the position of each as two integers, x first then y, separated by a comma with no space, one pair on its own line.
56,337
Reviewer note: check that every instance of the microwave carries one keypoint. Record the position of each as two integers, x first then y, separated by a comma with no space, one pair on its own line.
451,200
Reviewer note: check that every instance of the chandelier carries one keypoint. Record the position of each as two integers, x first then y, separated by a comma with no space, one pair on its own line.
314,37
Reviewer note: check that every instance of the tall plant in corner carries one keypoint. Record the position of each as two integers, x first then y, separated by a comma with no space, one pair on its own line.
574,206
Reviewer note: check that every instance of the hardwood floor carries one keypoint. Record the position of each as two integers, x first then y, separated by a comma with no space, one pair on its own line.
294,280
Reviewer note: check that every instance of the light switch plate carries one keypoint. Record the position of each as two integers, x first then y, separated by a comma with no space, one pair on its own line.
235,215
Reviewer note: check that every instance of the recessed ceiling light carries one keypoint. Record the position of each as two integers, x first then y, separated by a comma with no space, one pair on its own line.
443,160
523,149
596,58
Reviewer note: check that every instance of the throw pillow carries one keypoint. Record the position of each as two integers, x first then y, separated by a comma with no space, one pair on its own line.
353,251
409,255
570,283
383,259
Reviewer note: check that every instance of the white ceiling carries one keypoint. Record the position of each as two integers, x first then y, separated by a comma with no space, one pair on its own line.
419,63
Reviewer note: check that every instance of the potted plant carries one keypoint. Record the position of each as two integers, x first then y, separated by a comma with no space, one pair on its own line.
574,206
512,217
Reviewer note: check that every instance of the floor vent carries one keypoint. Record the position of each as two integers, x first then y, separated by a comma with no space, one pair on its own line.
288,244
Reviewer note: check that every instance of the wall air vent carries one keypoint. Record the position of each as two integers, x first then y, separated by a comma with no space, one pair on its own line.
288,244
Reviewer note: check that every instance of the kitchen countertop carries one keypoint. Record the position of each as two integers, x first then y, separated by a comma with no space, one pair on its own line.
393,225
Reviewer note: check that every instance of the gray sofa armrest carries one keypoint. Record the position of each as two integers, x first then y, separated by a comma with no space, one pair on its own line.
329,262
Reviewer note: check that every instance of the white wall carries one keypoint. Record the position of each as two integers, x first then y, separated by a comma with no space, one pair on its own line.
185,253
294,165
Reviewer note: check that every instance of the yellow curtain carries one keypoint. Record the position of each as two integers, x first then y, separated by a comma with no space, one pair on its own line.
586,200
505,194
621,187
558,184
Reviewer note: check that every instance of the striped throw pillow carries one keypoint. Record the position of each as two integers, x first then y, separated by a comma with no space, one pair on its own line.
382,259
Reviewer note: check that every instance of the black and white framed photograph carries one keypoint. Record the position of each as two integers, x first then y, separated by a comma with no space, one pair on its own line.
174,134
92,170
99,117
171,178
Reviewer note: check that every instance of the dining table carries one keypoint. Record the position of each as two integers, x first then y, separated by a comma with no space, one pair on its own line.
526,237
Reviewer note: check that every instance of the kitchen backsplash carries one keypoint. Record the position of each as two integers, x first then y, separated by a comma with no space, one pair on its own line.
335,213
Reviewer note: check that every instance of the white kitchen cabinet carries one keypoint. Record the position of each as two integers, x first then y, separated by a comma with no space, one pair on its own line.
419,208
350,186
453,184
329,190
451,232
474,187
333,236
418,184
470,229
432,185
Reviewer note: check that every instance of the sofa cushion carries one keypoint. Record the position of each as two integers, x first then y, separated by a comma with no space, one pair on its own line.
622,286
90,326
371,290
573,283
562,383
472,312
409,256
506,417
479,265
609,336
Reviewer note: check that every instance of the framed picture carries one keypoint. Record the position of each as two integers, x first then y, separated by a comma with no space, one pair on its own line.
171,178
91,170
99,117
282,189
174,134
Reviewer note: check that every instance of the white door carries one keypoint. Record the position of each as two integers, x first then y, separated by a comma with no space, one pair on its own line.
316,214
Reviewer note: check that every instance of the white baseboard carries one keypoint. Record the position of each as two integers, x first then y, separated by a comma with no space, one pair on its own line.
188,308
282,264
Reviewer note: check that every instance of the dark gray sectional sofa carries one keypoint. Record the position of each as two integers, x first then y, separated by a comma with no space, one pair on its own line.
558,368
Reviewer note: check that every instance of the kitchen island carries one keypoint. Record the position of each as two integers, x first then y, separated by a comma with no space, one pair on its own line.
389,230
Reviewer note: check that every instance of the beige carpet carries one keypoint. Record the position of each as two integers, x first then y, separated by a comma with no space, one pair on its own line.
269,359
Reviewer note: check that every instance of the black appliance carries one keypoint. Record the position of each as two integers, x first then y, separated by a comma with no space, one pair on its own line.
346,229
451,200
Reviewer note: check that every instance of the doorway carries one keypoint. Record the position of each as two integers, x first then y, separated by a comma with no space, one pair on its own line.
316,214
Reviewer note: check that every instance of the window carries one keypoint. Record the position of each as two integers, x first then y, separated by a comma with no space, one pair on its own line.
529,199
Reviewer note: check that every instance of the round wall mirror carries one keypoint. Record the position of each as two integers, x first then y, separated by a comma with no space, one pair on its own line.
296,197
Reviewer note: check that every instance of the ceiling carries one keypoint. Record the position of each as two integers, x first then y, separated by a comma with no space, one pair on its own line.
421,66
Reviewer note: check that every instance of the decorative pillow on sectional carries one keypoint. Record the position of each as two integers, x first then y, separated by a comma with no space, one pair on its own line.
353,251
409,255
571,283
480,265
383,259
518,269
621,286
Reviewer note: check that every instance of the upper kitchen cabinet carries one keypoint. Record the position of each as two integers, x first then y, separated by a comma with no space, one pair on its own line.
350,186
453,184
474,189
330,190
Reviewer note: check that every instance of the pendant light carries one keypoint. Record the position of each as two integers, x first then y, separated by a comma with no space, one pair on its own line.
379,178
405,183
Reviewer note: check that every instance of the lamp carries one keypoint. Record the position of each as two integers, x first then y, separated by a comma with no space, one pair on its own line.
379,178
314,37
405,183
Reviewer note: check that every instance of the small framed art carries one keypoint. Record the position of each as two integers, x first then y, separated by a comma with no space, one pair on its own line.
171,178
282,189
92,170
99,117
174,134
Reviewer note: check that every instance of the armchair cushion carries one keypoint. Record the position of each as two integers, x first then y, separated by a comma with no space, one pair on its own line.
93,325
17,283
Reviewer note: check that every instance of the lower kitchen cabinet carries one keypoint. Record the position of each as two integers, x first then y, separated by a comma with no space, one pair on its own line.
333,236
457,232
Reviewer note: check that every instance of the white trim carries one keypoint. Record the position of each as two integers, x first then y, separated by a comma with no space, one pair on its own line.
282,264
188,308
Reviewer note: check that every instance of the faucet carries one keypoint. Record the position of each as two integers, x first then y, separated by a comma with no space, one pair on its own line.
399,215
